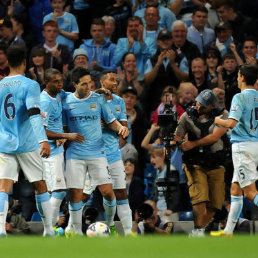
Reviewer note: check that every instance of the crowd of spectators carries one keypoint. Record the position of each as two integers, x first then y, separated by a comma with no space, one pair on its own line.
155,47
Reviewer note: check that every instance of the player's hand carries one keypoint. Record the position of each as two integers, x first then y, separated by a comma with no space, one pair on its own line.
123,131
60,142
76,137
107,93
45,149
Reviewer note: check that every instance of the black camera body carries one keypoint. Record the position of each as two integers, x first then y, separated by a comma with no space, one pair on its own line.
145,211
168,123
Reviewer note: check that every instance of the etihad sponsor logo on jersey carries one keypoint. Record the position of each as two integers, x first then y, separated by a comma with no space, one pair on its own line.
84,118
93,106
234,108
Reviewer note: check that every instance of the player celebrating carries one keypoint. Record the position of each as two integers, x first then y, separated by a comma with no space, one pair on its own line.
21,134
83,111
243,118
51,106
108,80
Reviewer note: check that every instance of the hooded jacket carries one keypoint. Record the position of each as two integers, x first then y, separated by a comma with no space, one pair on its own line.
102,54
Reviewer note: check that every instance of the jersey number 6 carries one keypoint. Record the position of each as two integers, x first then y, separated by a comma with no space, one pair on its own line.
9,107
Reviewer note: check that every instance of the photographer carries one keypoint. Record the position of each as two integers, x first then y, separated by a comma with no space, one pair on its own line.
203,158
147,220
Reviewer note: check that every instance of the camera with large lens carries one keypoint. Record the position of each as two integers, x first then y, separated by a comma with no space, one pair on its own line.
145,211
168,123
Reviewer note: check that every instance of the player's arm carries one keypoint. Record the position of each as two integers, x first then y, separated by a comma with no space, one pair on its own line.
38,128
211,138
119,128
228,123
68,136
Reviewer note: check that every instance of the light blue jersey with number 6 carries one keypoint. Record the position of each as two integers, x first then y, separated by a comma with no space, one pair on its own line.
18,94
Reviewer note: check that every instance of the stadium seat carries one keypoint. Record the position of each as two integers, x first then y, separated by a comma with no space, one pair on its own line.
36,216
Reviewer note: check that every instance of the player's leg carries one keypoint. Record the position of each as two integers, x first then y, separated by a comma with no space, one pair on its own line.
100,176
54,176
32,166
235,208
9,171
250,164
124,212
109,202
5,189
75,178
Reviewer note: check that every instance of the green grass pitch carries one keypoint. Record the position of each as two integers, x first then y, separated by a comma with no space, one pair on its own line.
123,247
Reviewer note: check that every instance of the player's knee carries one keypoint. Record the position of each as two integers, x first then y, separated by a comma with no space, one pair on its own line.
85,197
39,186
120,194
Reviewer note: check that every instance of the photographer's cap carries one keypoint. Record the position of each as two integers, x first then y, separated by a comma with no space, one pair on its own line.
129,89
206,98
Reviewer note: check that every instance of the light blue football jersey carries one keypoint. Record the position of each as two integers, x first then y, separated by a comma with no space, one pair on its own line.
84,116
117,105
52,109
244,109
18,94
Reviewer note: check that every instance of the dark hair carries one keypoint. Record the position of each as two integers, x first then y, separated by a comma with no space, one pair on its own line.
229,55
226,3
134,18
202,9
250,38
16,55
199,58
38,51
250,73
3,47
136,166
21,19
126,54
98,21
49,73
104,74
77,73
214,52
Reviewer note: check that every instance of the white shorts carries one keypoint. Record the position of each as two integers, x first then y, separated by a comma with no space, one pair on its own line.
75,172
54,172
30,162
245,160
117,172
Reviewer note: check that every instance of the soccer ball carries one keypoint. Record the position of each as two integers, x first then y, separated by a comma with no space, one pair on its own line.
98,229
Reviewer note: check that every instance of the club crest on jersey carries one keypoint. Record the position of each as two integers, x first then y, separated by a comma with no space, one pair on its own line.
118,109
234,108
93,106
